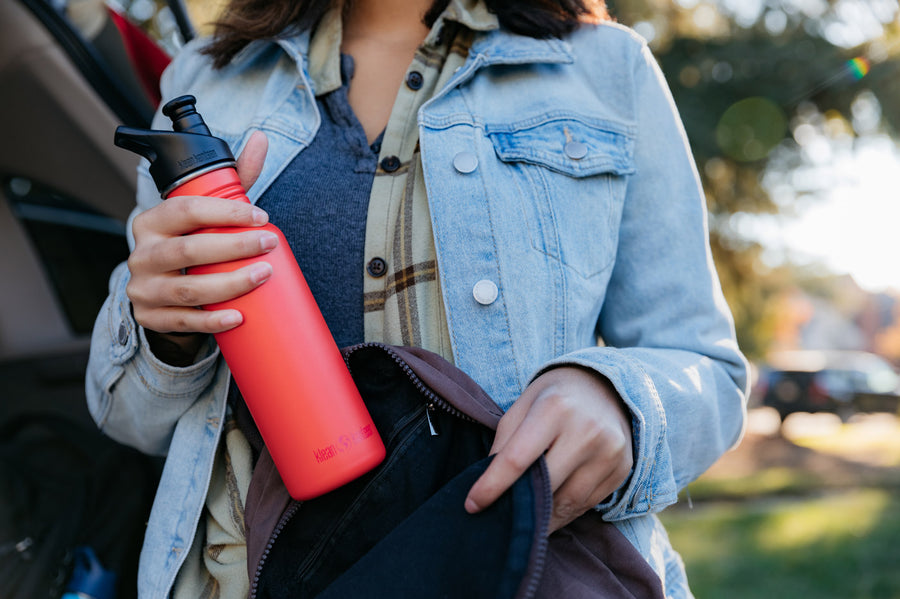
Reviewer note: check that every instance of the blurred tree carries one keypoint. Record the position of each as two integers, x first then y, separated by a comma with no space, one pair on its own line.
756,81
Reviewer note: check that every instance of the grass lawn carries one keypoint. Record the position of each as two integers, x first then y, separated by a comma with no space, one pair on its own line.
842,545
811,514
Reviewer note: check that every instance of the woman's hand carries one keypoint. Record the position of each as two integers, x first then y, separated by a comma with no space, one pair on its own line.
163,299
578,419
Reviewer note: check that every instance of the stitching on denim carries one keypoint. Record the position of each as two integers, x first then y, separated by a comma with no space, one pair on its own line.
558,256
496,263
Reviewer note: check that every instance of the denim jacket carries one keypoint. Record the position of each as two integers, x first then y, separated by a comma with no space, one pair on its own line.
570,228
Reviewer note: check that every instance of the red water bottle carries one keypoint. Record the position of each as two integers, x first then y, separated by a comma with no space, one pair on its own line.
282,356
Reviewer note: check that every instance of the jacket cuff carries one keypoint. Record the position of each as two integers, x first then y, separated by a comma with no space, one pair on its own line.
129,343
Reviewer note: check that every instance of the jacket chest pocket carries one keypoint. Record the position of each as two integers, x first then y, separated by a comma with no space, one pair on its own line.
570,180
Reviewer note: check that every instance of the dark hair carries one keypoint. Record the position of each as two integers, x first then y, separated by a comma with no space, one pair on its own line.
247,20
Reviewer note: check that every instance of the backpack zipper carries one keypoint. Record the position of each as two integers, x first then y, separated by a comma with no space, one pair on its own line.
282,522
407,429
433,401
536,568
431,428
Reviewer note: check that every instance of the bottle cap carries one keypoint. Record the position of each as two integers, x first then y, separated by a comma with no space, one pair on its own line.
177,155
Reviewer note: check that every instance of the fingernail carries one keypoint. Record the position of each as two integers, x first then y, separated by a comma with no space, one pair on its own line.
260,217
260,272
471,506
232,319
268,241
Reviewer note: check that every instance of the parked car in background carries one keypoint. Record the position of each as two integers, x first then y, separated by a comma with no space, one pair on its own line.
836,381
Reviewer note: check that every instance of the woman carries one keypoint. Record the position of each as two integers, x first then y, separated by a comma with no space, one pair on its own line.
504,183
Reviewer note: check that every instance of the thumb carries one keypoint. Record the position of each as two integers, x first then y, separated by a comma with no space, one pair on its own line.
250,162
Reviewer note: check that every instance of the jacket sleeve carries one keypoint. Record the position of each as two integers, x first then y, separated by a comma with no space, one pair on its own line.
670,347
133,396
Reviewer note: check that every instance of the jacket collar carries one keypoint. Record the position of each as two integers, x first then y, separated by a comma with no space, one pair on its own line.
496,45
503,47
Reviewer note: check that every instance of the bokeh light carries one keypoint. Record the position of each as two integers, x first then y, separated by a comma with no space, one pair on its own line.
749,129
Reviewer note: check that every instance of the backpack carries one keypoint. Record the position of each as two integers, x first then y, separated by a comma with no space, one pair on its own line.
401,531
65,491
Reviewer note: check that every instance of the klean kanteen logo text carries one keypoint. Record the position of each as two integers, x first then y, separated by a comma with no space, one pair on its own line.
343,444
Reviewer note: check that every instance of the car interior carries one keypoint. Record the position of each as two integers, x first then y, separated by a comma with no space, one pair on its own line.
67,190
71,71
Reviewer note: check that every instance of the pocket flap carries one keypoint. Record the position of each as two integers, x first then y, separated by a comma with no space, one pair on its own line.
573,147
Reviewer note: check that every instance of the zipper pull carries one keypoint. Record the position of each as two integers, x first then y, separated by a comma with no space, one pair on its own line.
428,410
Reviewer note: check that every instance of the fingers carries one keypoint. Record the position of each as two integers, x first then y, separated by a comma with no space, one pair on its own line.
591,448
165,254
181,215
590,462
579,494
166,243
250,162
520,441
163,299
581,479
190,320
167,304
190,291
577,419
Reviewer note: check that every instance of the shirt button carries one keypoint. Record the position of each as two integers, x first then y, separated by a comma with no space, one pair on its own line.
576,150
122,334
390,163
376,267
485,292
415,80
465,162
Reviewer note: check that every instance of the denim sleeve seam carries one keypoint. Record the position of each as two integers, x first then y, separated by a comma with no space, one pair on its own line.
108,379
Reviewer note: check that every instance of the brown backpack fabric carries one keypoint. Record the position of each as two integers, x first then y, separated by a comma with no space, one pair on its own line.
401,530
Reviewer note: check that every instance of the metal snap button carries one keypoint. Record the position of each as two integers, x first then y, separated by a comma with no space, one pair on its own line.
122,334
576,150
485,292
465,162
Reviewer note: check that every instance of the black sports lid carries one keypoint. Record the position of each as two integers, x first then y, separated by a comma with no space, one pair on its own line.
175,155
